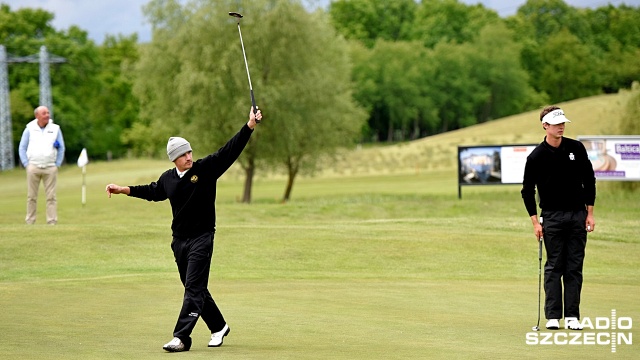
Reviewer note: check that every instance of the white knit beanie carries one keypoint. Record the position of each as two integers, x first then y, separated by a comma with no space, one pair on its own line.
177,147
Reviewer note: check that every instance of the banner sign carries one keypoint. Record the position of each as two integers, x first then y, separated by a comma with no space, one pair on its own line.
614,157
492,164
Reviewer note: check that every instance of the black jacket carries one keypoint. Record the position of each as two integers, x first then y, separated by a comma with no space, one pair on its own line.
564,177
193,196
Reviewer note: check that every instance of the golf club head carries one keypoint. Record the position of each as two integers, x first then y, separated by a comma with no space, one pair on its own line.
235,14
535,328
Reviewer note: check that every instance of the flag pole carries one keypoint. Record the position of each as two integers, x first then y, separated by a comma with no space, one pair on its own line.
83,160
84,185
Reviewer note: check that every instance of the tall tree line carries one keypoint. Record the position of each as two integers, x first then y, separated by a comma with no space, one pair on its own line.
468,65
363,70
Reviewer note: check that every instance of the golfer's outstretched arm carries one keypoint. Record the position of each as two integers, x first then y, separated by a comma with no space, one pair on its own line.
116,189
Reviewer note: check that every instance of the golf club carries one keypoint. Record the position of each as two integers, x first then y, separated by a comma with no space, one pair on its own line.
537,327
253,100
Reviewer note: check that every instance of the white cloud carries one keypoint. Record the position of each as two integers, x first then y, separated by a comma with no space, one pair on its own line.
101,17
97,17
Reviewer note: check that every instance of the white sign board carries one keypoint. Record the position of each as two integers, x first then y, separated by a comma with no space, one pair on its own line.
614,157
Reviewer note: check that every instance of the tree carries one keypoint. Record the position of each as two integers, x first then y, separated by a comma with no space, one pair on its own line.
540,19
155,85
305,75
569,68
616,33
449,21
370,20
193,83
498,68
114,108
392,82
457,93
75,85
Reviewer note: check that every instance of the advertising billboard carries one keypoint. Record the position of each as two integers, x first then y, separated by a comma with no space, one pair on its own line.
614,157
492,164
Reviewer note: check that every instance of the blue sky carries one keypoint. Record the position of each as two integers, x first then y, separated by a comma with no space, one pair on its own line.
101,17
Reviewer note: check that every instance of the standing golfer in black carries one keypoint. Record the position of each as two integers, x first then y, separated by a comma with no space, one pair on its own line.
191,189
560,168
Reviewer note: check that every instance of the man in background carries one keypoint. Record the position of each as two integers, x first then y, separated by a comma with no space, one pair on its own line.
41,152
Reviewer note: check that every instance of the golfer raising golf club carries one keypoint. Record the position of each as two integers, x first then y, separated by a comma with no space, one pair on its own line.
560,169
191,189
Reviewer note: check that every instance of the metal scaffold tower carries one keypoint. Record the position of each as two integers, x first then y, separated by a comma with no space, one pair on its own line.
44,58
6,136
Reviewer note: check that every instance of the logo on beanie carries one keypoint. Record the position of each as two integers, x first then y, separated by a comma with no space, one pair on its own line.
194,179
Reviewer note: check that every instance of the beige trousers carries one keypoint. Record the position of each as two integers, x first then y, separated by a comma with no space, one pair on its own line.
48,176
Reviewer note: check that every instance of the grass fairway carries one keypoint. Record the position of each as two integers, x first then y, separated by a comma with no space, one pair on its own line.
375,259
382,267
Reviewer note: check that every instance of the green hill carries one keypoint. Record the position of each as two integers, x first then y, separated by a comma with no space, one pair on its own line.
597,115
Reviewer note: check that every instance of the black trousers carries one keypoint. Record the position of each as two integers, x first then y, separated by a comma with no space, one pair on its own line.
193,257
565,240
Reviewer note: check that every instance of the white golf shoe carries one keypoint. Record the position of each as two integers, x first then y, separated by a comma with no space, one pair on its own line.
175,345
217,337
553,324
572,323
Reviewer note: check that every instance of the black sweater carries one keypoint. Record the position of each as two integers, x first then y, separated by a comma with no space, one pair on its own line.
193,196
564,177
